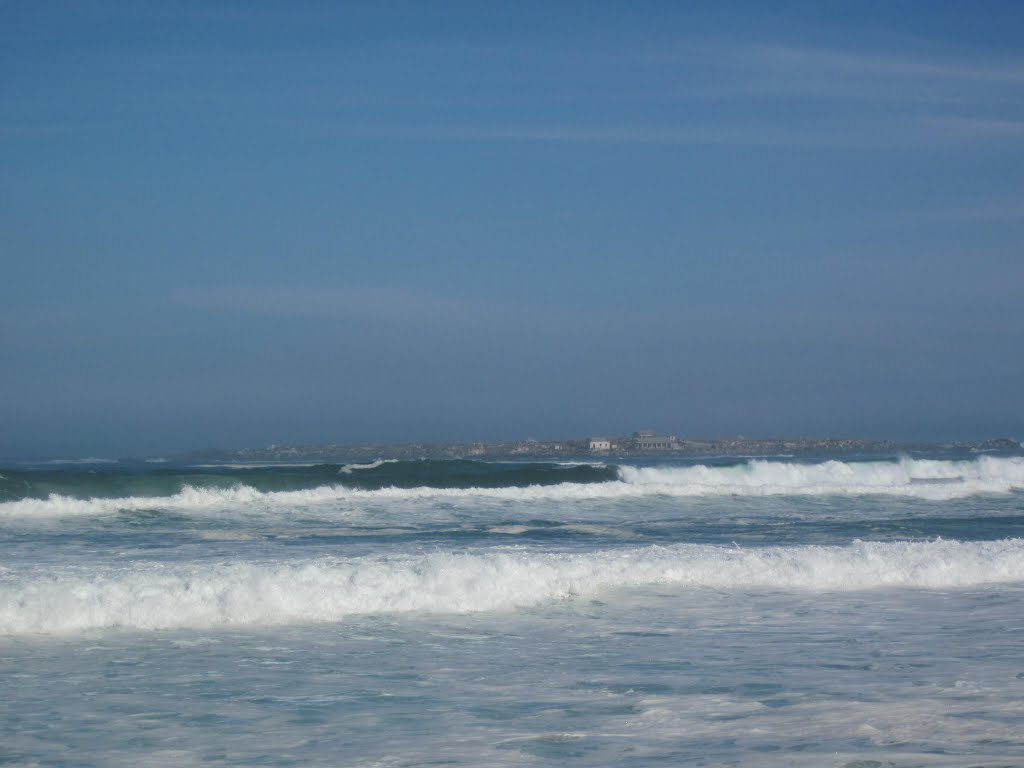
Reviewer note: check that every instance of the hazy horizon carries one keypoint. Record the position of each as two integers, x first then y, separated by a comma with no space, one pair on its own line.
100,457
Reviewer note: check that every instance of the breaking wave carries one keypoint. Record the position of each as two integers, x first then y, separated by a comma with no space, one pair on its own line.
147,595
924,478
916,478
348,469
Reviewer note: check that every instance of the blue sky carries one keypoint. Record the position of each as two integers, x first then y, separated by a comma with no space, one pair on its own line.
228,224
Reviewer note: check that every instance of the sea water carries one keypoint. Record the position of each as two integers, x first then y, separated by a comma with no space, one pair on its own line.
820,612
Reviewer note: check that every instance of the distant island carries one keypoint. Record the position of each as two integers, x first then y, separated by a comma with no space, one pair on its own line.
637,445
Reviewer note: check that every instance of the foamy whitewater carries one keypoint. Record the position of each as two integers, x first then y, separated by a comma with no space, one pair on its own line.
826,612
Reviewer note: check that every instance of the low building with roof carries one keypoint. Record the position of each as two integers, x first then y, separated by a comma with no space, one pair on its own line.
647,440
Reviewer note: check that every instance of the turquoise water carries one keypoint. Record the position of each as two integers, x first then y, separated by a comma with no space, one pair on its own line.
745,612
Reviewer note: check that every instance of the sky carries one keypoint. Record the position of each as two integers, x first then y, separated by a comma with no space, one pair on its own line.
228,224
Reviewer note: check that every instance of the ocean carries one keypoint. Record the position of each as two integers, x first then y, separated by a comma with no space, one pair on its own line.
831,611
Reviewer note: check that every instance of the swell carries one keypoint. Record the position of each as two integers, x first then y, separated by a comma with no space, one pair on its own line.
437,481
135,483
144,595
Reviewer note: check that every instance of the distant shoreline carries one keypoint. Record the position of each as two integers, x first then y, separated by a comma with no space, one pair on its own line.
621,448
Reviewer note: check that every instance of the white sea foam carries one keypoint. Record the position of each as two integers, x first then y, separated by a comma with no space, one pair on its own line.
189,498
86,460
924,478
913,478
510,530
348,469
257,465
152,595
226,536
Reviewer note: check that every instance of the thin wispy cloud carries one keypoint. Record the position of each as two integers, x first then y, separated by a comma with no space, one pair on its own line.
769,94
981,127
724,92
1007,210
835,61
384,305
908,132
312,301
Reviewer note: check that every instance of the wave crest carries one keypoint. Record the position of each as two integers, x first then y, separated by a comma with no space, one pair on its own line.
913,478
155,596
925,478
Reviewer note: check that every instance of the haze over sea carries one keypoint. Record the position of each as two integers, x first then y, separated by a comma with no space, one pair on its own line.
232,223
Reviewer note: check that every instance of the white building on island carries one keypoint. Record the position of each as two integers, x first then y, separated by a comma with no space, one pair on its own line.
600,444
